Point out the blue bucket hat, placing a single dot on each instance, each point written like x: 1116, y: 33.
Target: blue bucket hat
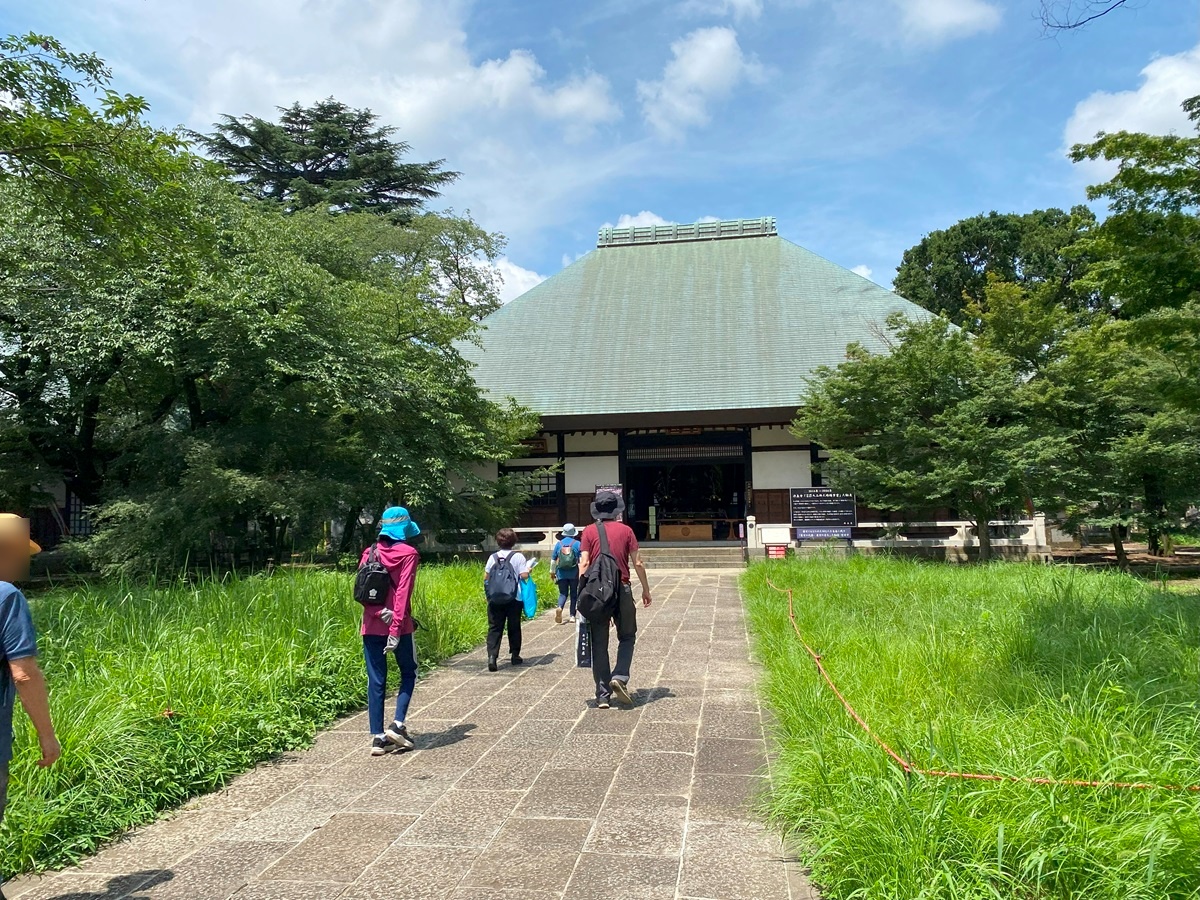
x: 397, y: 524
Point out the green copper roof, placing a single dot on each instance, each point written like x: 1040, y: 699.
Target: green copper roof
x: 732, y: 323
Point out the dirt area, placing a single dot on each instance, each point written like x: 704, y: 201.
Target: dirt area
x: 1184, y: 563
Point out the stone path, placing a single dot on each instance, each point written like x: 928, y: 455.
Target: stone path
x: 519, y: 788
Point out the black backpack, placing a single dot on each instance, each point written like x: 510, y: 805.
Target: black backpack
x: 373, y: 583
x: 600, y: 587
x: 502, y: 582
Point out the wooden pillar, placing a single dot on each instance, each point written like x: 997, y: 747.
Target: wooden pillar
x: 561, y: 477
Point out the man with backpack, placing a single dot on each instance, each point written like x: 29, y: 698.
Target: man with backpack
x: 609, y: 548
x: 564, y: 568
x: 502, y: 576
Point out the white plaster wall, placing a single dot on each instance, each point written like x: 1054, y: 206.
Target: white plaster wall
x: 584, y: 442
x: 781, y: 469
x: 529, y: 462
x: 774, y: 436
x: 489, y: 471
x: 584, y: 473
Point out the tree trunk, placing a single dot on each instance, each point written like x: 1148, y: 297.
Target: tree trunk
x: 1156, y: 512
x: 1119, y: 546
x: 350, y: 530
x: 985, y: 537
x: 1154, y: 540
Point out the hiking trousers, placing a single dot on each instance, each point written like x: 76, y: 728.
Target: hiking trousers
x: 501, y: 615
x: 569, y: 588
x: 374, y: 653
x: 626, y: 621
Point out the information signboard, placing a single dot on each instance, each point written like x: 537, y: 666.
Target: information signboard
x: 822, y: 513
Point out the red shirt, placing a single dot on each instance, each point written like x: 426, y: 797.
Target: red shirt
x: 401, y: 561
x: 621, y: 544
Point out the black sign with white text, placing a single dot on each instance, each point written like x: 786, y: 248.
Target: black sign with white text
x: 821, y: 513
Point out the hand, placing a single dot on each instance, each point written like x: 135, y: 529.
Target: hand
x: 645, y: 598
x: 51, y: 751
x: 392, y: 643
x: 386, y: 615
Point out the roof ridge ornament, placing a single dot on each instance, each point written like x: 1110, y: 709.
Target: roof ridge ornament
x: 697, y: 231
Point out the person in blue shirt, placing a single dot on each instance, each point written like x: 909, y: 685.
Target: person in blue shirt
x: 19, y: 672
x: 564, y: 569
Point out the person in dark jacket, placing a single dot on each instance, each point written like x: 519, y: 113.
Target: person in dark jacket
x: 388, y: 629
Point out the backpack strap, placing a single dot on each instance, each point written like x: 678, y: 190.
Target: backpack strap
x: 603, y: 538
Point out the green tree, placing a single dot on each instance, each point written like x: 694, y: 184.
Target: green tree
x: 948, y: 271
x: 939, y: 420
x: 296, y: 368
x: 1146, y: 257
x: 326, y: 155
x: 103, y: 171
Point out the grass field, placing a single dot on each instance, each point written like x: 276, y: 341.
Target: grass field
x: 1012, y: 669
x: 161, y: 693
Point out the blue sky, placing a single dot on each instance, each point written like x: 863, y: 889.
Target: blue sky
x: 860, y: 124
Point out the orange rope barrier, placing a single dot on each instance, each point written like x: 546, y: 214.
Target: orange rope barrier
x: 911, y: 769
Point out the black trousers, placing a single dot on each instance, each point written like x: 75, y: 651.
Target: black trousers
x: 499, y: 615
x: 626, y: 621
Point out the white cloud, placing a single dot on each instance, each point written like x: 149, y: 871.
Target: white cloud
x: 864, y: 271
x: 515, y: 280
x: 645, y: 217
x: 530, y: 144
x: 941, y: 20
x: 919, y: 23
x: 1154, y: 107
x: 739, y: 9
x: 705, y: 67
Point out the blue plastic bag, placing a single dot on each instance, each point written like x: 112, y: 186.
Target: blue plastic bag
x: 528, y: 596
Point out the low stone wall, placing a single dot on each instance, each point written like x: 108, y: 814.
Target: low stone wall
x: 947, y: 541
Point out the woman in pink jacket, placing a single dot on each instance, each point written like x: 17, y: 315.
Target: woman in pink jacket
x: 389, y: 629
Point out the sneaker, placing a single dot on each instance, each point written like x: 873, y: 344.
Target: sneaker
x: 621, y: 692
x: 558, y: 616
x: 397, y: 733
x: 379, y: 746
x: 491, y: 664
x: 601, y: 703
x: 572, y: 619
x: 516, y: 660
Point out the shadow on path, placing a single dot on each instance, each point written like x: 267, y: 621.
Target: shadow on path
x: 130, y: 886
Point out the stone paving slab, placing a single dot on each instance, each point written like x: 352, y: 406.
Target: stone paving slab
x: 519, y: 788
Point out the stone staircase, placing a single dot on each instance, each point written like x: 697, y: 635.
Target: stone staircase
x: 675, y: 556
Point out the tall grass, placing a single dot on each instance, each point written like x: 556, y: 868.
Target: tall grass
x: 1011, y: 669
x: 160, y: 693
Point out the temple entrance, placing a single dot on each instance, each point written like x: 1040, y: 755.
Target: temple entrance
x: 686, y: 491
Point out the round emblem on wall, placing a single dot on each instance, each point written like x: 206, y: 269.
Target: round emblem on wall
x: 685, y: 531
